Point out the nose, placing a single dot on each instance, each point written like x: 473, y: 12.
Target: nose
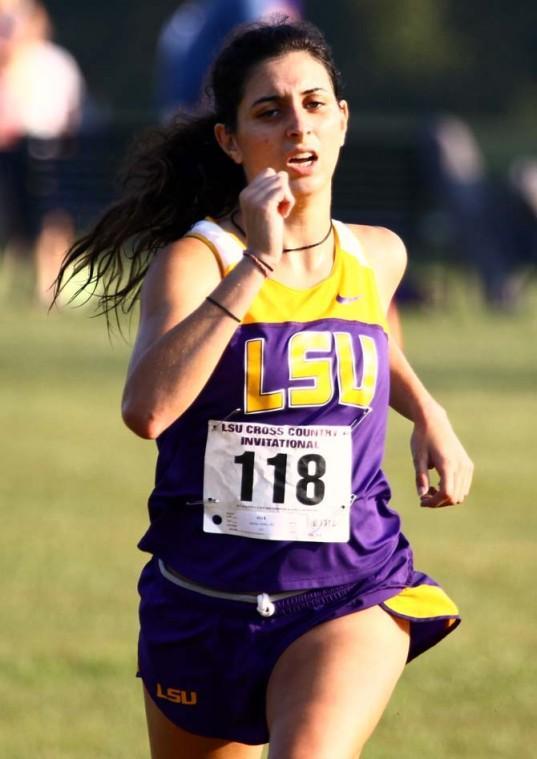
x: 297, y: 123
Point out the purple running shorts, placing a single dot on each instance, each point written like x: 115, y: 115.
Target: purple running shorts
x: 206, y: 661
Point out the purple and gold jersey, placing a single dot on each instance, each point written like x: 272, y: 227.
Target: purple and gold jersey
x: 315, y: 358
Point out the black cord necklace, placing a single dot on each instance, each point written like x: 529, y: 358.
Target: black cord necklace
x: 286, y: 250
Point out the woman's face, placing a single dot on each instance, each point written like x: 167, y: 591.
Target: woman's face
x: 289, y: 120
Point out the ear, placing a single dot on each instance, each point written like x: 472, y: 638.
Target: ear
x: 226, y: 139
x: 344, y: 114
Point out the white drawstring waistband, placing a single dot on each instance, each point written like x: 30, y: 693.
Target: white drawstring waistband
x: 264, y: 601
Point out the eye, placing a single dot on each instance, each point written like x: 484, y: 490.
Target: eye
x: 314, y: 105
x: 269, y: 113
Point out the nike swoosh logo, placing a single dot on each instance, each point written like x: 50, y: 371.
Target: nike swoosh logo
x: 350, y: 299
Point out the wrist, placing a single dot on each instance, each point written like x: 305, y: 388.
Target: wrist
x: 268, y: 260
x: 260, y: 263
x: 426, y: 409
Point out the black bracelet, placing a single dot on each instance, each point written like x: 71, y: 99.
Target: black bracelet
x: 255, y: 261
x: 251, y: 254
x: 222, y: 308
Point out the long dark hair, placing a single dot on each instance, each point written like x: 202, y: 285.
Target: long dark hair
x: 178, y: 174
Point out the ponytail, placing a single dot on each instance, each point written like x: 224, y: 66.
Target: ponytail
x: 173, y: 176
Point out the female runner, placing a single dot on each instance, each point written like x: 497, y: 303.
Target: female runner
x: 281, y: 602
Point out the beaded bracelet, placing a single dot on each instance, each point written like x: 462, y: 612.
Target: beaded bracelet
x: 254, y: 257
x: 222, y: 308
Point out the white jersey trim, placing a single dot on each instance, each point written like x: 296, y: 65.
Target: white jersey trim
x: 227, y: 247
x: 230, y: 250
x: 349, y: 243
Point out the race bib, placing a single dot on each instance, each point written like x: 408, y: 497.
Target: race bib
x: 278, y: 482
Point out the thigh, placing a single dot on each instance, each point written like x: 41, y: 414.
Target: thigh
x: 329, y: 688
x: 167, y: 741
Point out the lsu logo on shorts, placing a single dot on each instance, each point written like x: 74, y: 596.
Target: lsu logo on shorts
x: 177, y: 696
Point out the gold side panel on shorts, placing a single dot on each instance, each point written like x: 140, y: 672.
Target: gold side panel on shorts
x: 422, y: 602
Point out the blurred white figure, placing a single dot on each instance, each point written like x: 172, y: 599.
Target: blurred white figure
x: 460, y: 154
x: 524, y: 179
x: 41, y: 86
x: 41, y: 96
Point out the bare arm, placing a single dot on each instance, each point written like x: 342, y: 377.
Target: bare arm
x: 434, y: 444
x: 181, y: 335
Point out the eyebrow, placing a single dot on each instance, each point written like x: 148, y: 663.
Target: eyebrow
x: 269, y: 98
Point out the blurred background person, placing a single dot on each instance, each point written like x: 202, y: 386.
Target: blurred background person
x: 487, y: 224
x: 522, y: 209
x: 41, y: 97
x: 17, y: 26
x: 189, y: 40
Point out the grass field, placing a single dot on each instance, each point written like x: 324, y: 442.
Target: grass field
x: 73, y: 490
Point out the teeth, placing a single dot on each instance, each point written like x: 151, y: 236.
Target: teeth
x: 303, y: 157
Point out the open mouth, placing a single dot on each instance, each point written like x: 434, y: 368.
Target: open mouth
x: 306, y: 158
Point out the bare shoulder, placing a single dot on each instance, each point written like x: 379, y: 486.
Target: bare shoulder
x: 382, y: 247
x: 179, y: 278
x: 386, y: 254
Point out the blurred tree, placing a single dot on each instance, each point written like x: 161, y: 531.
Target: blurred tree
x: 412, y: 37
x: 469, y: 57
x: 412, y: 55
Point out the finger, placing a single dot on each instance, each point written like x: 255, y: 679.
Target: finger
x: 275, y: 194
x: 255, y: 193
x: 422, y: 475
x: 450, y: 491
x: 469, y: 477
x: 461, y: 489
x: 447, y: 484
x: 433, y: 499
x: 260, y: 185
x: 269, y: 176
x: 422, y: 483
x: 467, y: 482
x: 278, y: 193
x: 463, y: 481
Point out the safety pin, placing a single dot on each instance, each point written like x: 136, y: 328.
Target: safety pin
x: 232, y: 413
x: 360, y: 419
x: 200, y: 503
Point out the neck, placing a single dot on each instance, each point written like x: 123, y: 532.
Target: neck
x: 308, y: 222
